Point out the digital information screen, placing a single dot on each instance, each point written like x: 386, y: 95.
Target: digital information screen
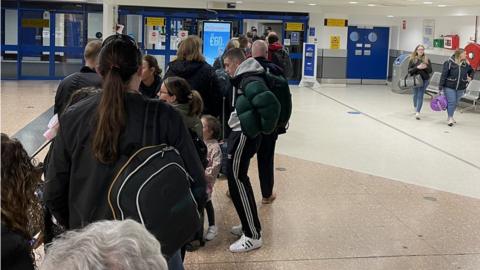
x: 215, y: 38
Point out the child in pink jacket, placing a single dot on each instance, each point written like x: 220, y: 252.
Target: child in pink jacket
x: 211, y: 132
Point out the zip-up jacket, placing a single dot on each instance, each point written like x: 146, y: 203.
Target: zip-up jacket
x: 454, y: 76
x: 76, y: 189
x: 424, y: 73
x: 256, y: 108
x: 85, y: 78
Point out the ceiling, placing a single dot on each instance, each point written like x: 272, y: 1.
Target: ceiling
x: 384, y: 3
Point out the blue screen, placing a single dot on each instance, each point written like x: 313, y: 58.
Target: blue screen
x: 215, y: 38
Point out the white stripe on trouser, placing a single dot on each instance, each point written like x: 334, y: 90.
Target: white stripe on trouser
x: 241, y: 188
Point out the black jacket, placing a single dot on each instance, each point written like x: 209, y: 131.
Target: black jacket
x: 270, y: 66
x: 77, y: 184
x: 86, y: 77
x: 201, y: 77
x: 152, y: 90
x: 15, y: 251
x: 454, y: 76
x: 424, y: 73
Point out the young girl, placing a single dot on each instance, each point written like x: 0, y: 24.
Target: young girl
x: 211, y: 132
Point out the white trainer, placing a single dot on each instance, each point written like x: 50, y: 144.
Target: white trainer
x: 245, y: 244
x: 237, y: 230
x: 211, y: 233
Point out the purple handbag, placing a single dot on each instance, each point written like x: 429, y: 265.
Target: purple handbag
x: 439, y: 103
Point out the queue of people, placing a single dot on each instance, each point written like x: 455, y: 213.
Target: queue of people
x: 103, y: 122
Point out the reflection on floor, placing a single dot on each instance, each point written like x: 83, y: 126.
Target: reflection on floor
x: 338, y: 206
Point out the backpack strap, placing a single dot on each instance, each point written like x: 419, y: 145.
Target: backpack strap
x: 150, y: 136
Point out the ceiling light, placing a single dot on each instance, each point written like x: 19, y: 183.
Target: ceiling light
x: 442, y: 5
x: 291, y: 2
x: 428, y: 3
x: 239, y: 2
x: 390, y: 16
x: 371, y: 5
x: 312, y: 4
x: 353, y: 2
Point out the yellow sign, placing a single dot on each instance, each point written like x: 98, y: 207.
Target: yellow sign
x: 35, y: 23
x: 334, y: 42
x: 336, y: 22
x: 293, y: 26
x: 155, y: 21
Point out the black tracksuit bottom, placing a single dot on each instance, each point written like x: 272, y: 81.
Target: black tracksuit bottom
x: 240, y: 150
x: 265, y: 158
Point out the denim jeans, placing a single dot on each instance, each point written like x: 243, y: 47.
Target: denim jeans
x: 418, y: 94
x: 175, y: 262
x: 453, y: 97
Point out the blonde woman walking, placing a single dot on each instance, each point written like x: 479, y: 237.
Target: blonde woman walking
x: 419, y: 65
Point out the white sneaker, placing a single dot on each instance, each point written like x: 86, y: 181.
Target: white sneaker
x: 417, y: 116
x: 237, y: 230
x: 211, y: 233
x: 245, y: 244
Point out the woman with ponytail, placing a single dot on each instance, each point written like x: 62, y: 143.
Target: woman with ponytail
x: 96, y: 132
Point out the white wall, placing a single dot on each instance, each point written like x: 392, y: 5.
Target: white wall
x: 412, y: 35
x: 400, y: 39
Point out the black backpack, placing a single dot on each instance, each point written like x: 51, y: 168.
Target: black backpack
x: 282, y: 59
x: 153, y: 188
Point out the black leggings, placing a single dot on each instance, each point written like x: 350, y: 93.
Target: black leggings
x: 210, y: 213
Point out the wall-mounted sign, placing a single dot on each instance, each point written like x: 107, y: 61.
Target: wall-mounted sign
x: 155, y: 21
x: 428, y: 33
x: 294, y: 26
x: 216, y: 35
x: 295, y: 38
x: 336, y: 22
x: 334, y: 42
x: 35, y: 23
x: 312, y: 32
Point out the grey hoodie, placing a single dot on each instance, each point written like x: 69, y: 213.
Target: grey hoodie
x: 250, y: 66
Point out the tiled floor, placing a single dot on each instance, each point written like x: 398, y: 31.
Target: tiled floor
x: 337, y: 206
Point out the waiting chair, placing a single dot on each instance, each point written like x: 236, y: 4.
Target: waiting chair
x: 432, y: 88
x: 472, y: 94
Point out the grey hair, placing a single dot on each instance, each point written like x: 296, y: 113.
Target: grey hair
x: 106, y: 245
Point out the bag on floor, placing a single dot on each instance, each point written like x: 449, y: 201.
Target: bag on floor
x: 153, y: 188
x: 439, y: 103
x: 410, y: 81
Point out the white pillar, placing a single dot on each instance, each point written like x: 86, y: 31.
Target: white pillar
x: 110, y: 15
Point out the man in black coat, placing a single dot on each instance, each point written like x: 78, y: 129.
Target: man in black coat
x: 266, y: 152
x: 85, y: 78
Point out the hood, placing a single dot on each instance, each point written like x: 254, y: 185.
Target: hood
x: 275, y: 47
x: 452, y: 60
x: 249, y: 66
x: 184, y: 68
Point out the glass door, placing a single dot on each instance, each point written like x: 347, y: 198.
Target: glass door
x: 35, y: 36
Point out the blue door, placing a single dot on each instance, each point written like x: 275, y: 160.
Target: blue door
x: 367, y: 53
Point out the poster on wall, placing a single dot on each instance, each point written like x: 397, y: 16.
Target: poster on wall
x: 428, y: 33
x: 216, y: 35
x: 334, y: 42
x: 153, y: 37
x: 295, y: 38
